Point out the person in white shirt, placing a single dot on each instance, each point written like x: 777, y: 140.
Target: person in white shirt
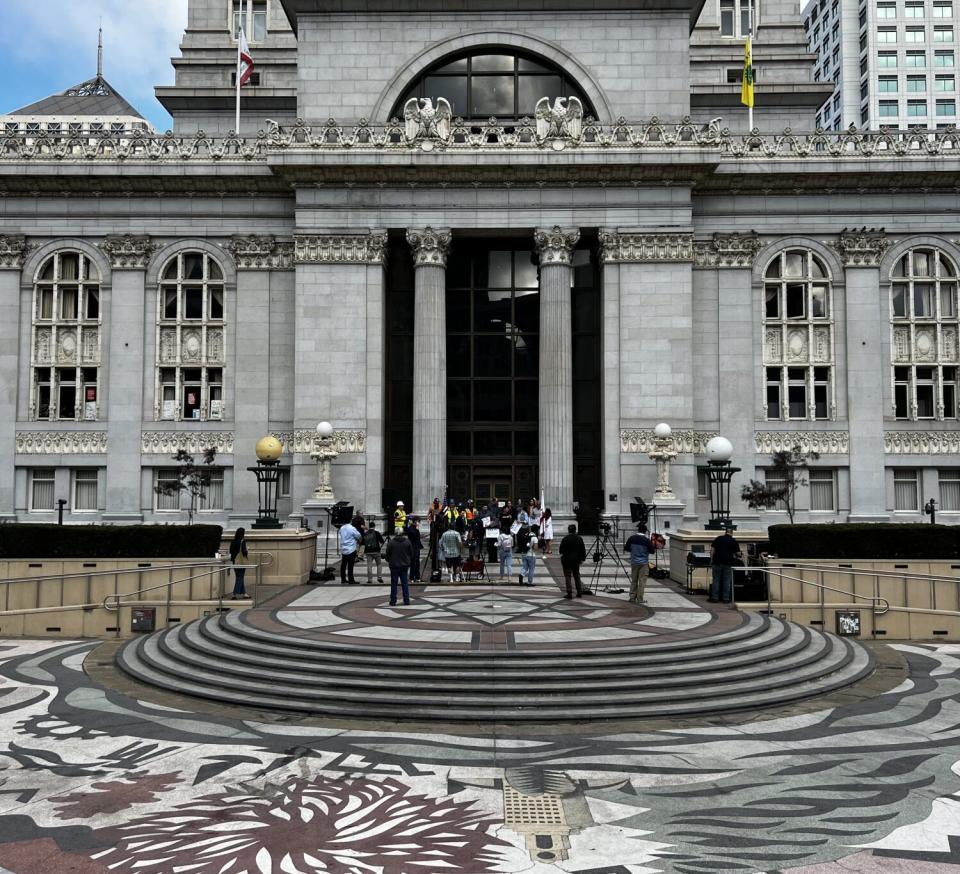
x: 528, y: 557
x: 505, y: 553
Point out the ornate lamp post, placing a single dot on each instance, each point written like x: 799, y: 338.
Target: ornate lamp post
x: 324, y: 454
x: 663, y: 453
x: 720, y: 472
x: 267, y: 472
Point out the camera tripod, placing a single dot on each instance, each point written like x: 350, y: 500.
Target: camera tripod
x: 605, y: 546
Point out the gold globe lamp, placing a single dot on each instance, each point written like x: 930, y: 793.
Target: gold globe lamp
x: 268, y: 449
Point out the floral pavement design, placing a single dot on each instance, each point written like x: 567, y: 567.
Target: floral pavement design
x: 93, y: 782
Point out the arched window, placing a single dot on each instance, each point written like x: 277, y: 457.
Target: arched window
x: 493, y: 83
x: 190, y: 338
x: 65, y: 347
x: 798, y: 337
x: 924, y: 349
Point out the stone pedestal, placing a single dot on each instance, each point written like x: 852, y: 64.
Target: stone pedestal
x: 555, y: 247
x: 430, y: 248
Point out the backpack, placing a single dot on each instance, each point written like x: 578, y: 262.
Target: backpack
x: 370, y: 541
x: 523, y: 538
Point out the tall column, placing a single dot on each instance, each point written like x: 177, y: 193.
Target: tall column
x: 430, y: 249
x: 867, y: 323
x: 555, y: 247
x: 128, y: 259
x: 13, y: 248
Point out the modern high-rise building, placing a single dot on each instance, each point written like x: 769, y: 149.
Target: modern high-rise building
x: 893, y: 62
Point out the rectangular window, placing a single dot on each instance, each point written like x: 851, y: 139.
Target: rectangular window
x: 215, y: 393
x: 885, y: 35
x: 821, y: 392
x: 949, y: 392
x: 901, y: 392
x: 905, y: 491
x: 923, y: 300
x: 167, y: 503
x: 945, y: 83
x: 42, y: 380
x: 885, y: 85
x: 917, y: 84
x: 942, y: 10
x: 943, y: 34
x: 925, y: 393
x: 797, y: 392
x: 774, y: 411
x: 41, y: 489
x: 950, y: 491
x: 45, y: 303
x: 916, y: 34
x: 214, y: 492
x: 888, y: 108
x: 775, y: 480
x: 823, y: 489
x: 913, y: 10
x: 772, y: 302
x: 727, y: 17
x: 192, y: 386
x: 916, y: 59
x: 943, y: 59
x: 255, y: 25
x: 946, y: 108
x: 66, y: 394
x: 886, y: 60
x: 796, y: 301
x: 283, y: 483
x: 85, y: 490
x: 916, y: 108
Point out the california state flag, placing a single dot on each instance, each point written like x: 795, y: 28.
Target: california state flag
x: 246, y: 60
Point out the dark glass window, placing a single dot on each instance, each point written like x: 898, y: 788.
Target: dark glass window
x: 494, y: 83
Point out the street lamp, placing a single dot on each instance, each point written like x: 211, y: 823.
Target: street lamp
x: 663, y: 453
x: 267, y: 472
x: 324, y: 453
x: 720, y: 472
x: 930, y: 508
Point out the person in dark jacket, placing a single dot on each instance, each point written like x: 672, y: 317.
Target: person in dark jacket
x: 573, y: 553
x: 416, y: 545
x: 238, y: 550
x: 399, y: 556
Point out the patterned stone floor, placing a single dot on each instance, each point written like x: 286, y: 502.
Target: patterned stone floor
x: 96, y: 780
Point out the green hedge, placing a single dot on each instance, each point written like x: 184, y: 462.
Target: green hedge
x: 875, y: 540
x: 109, y: 541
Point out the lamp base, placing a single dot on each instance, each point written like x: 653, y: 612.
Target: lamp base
x: 268, y: 524
x: 719, y: 525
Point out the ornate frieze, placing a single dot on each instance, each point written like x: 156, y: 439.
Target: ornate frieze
x: 340, y: 248
x: 862, y: 248
x: 617, y: 248
x: 261, y: 252
x: 430, y: 247
x: 556, y: 245
x: 61, y: 442
x: 307, y: 441
x: 643, y: 441
x: 170, y: 442
x: 128, y: 251
x: 727, y: 250
x: 921, y: 442
x: 821, y: 442
x: 13, y: 249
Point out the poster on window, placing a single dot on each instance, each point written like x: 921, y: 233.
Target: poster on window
x: 191, y: 399
x: 91, y: 391
x: 90, y: 411
x: 169, y: 409
x: 216, y: 409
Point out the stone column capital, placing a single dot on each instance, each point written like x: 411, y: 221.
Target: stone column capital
x: 556, y: 245
x: 128, y: 251
x: 727, y: 250
x: 430, y: 246
x: 13, y: 251
x: 862, y: 248
x: 261, y: 252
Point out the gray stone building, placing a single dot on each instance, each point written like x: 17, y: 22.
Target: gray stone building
x: 482, y: 293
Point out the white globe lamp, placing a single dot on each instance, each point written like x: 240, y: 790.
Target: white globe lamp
x: 325, y: 429
x: 663, y: 431
x: 719, y: 450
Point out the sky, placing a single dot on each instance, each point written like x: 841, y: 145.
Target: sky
x: 49, y: 45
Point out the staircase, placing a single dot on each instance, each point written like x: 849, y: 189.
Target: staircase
x: 761, y: 663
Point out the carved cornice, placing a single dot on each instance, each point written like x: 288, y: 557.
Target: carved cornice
x: 13, y: 250
x: 685, y: 441
x: 128, y: 251
x: 921, y: 442
x: 821, y: 442
x: 617, y: 248
x: 306, y: 441
x: 555, y: 246
x: 727, y: 250
x: 861, y: 248
x: 61, y: 442
x: 170, y: 442
x: 340, y: 248
x: 430, y: 247
x: 261, y: 252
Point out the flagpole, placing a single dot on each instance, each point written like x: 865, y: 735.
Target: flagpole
x: 750, y: 37
x: 239, y: 44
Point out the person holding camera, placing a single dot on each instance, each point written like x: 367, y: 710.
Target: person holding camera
x: 639, y: 547
x: 573, y: 553
x: 372, y: 544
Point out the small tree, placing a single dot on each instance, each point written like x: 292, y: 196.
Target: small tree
x: 192, y: 478
x: 787, y: 467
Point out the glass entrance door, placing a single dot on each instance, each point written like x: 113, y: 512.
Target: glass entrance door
x: 487, y: 487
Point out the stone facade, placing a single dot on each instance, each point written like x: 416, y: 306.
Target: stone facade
x: 239, y: 286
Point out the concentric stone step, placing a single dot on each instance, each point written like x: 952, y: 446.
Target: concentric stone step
x: 761, y: 662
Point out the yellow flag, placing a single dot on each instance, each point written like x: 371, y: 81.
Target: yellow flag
x: 746, y: 90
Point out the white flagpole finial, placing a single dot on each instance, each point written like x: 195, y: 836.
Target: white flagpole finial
x: 100, y: 54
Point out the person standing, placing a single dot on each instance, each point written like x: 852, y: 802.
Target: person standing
x: 399, y: 518
x: 372, y: 544
x: 238, y: 549
x: 416, y: 545
x: 349, y: 538
x: 546, y: 531
x: 451, y: 544
x: 493, y: 514
x: 399, y: 556
x: 573, y: 553
x: 505, y: 553
x: 639, y: 547
x: 528, y: 558
x: 724, y: 552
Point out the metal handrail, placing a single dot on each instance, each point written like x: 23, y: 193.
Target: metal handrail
x: 823, y: 587
x: 134, y: 570
x: 219, y: 569
x: 843, y: 569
